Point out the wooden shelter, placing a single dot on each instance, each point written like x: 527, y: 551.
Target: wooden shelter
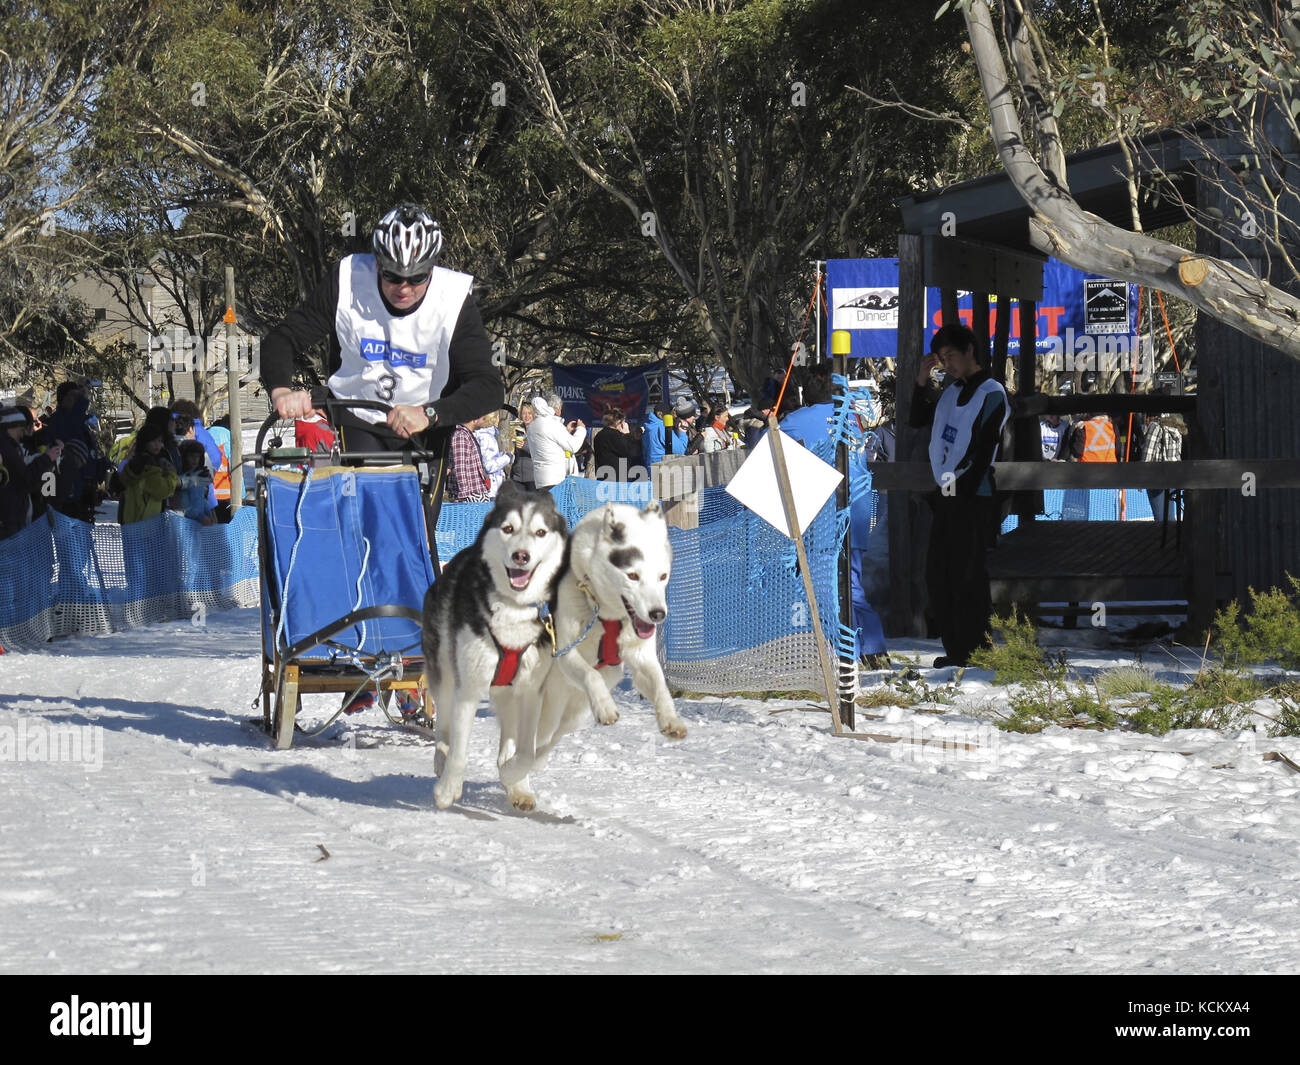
x: 1240, y: 474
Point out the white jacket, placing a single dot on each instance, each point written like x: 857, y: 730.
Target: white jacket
x: 495, y: 460
x: 714, y: 439
x: 548, y: 442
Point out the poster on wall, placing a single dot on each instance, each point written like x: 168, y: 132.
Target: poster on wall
x: 1105, y: 306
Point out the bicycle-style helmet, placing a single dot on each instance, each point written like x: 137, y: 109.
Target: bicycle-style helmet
x: 407, y: 241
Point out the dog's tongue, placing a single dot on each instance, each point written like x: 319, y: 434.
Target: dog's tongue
x: 519, y: 577
x: 644, y: 629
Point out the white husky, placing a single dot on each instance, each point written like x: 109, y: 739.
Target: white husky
x: 610, y: 598
x: 484, y: 635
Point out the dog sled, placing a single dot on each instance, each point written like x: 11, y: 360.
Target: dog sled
x: 347, y: 554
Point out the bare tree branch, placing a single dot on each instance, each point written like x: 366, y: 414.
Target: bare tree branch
x: 912, y: 110
x: 1088, y: 242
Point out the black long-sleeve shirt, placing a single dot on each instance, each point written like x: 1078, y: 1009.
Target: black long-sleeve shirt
x: 474, y: 386
x: 20, y: 484
x: 609, y: 446
x: 974, y: 474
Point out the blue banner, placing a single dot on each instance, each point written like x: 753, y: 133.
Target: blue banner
x: 1080, y: 317
x: 1069, y: 329
x: 862, y: 297
x: 588, y: 391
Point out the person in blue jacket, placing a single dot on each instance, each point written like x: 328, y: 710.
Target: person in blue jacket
x: 810, y: 425
x: 189, y: 409
x: 660, y: 439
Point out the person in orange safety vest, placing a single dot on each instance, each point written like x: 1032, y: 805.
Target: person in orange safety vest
x: 1093, y: 440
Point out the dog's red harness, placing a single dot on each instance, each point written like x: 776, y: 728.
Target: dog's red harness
x: 609, y: 655
x: 507, y: 665
x: 508, y: 657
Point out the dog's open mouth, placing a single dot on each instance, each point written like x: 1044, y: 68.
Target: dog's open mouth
x: 643, y: 629
x: 519, y: 578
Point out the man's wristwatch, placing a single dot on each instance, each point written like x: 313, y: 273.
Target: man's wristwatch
x: 432, y: 415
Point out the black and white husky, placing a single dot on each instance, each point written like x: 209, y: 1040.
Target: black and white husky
x: 609, y: 601
x: 484, y: 635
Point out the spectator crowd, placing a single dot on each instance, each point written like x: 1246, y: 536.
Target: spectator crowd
x: 64, y: 459
x: 61, y: 458
x: 546, y: 448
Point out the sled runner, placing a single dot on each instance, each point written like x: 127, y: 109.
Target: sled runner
x: 346, y: 560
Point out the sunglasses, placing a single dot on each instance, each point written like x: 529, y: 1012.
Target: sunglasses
x: 398, y: 279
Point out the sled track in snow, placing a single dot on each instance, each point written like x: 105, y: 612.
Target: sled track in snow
x: 757, y: 844
x: 1069, y: 864
x: 822, y: 934
x: 985, y: 867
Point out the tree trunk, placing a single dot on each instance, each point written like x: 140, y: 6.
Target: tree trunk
x: 1060, y: 227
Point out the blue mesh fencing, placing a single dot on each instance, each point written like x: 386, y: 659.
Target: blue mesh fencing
x: 65, y: 577
x: 29, y: 573
x: 738, y: 617
x: 578, y: 496
x: 716, y: 504
x: 1089, y: 504
x: 736, y: 586
x: 459, y: 523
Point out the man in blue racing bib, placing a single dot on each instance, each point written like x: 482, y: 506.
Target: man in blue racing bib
x: 967, y: 416
x: 401, y: 330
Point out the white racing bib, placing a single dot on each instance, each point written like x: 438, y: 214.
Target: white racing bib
x: 954, y: 424
x: 1050, y: 435
x: 394, y: 359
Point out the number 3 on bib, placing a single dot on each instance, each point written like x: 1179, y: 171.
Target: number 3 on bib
x: 386, y: 386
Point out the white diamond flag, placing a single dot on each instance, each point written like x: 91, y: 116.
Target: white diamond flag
x: 811, y: 482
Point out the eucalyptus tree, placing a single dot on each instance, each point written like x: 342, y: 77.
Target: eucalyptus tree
x: 54, y: 59
x: 725, y: 133
x: 1227, y: 70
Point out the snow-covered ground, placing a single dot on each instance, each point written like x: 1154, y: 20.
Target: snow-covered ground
x: 174, y: 840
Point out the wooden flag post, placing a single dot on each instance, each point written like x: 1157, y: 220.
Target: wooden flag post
x: 792, y: 520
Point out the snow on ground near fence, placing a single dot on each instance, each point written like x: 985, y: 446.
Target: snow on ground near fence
x: 759, y: 843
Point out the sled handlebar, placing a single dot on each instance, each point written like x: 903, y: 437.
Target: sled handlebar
x: 320, y: 397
